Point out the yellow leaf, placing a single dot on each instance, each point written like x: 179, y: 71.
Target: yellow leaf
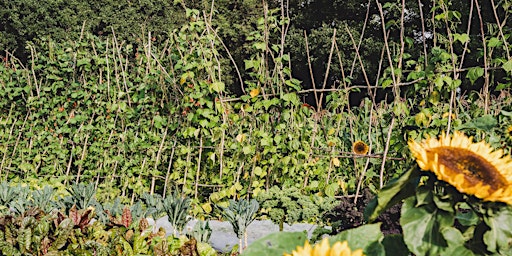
x: 254, y: 92
x: 207, y: 207
x: 343, y: 186
x: 331, y: 131
x: 256, y: 191
x: 336, y: 162
x: 240, y: 137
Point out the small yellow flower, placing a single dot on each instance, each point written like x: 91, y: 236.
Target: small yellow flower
x: 472, y: 168
x: 447, y: 114
x: 324, y: 249
x: 254, y: 92
x: 360, y: 148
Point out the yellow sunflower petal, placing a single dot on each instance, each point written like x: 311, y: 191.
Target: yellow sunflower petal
x: 324, y: 249
x: 472, y: 168
x: 508, y: 132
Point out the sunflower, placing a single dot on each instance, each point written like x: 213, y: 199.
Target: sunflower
x: 324, y: 249
x: 472, y: 168
x: 360, y: 148
x: 508, y: 132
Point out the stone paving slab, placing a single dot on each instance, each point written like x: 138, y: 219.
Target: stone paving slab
x: 223, y: 237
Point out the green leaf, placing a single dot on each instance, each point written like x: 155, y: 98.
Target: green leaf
x: 502, y: 86
x: 331, y: 189
x: 291, y: 97
x: 386, y: 83
x: 83, y: 61
x: 507, y: 66
x: 455, y: 242
x: 422, y: 227
x: 53, y: 77
x: 276, y: 244
x: 499, y: 237
x: 260, y: 46
x: 395, y: 245
x: 363, y: 237
x: 494, y: 42
x: 258, y: 171
x: 293, y: 83
x: 392, y: 193
x: 463, y: 38
x: 217, y: 87
x: 484, y: 123
x: 467, y: 218
x: 506, y: 113
x: 474, y: 73
x: 438, y: 81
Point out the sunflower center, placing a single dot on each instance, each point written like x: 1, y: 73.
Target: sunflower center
x: 360, y: 148
x: 475, y: 168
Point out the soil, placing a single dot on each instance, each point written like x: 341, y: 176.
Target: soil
x: 349, y: 215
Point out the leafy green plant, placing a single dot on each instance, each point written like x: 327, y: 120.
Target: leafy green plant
x: 276, y: 243
x: 240, y: 214
x: 201, y: 231
x: 44, y: 199
x: 367, y: 237
x: 154, y: 205
x: 176, y: 207
x: 82, y: 195
x: 35, y: 232
x: 290, y: 205
x: 7, y: 194
x: 22, y: 201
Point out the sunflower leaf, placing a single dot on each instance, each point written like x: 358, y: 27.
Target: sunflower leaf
x: 455, y: 241
x: 394, y: 245
x: 394, y: 192
x: 422, y: 227
x: 484, y: 123
x: 366, y: 237
x: 276, y: 244
x: 499, y: 238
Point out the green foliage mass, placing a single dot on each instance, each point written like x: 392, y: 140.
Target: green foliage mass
x: 369, y: 238
x: 134, y: 120
x: 289, y: 205
x: 29, y: 20
x: 437, y: 219
x: 63, y: 228
x: 136, y: 116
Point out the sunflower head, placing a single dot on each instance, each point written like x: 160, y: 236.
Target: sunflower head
x: 360, y: 148
x: 508, y: 132
x: 324, y: 249
x: 472, y: 168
